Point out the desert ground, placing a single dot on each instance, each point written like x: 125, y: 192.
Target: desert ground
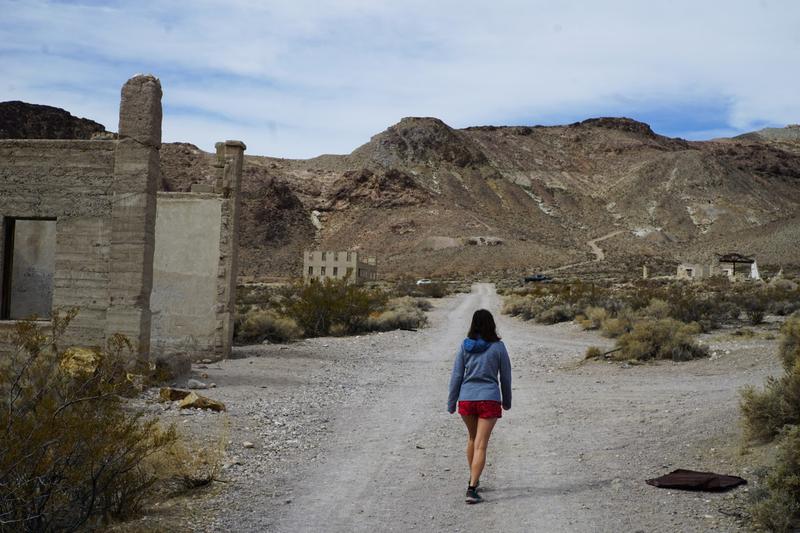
x: 352, y: 434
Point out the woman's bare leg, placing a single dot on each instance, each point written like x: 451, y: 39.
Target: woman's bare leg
x: 481, y: 442
x: 471, y: 421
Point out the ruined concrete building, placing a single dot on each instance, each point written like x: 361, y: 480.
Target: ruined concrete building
x: 83, y: 225
x: 339, y: 265
x: 727, y: 266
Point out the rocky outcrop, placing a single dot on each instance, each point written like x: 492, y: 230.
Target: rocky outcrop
x: 21, y: 120
x: 421, y: 141
x: 392, y: 188
x: 618, y: 123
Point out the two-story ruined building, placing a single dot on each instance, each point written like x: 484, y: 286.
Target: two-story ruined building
x: 349, y: 265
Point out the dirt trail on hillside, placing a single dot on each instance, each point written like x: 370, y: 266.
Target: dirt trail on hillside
x: 599, y: 254
x: 352, y: 434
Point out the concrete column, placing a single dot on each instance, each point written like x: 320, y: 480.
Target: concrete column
x: 230, y: 160
x: 136, y: 174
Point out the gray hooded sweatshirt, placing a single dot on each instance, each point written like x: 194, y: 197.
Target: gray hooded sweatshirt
x: 475, y: 374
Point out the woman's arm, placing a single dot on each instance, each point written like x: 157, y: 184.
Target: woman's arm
x: 505, y: 377
x: 455, y: 381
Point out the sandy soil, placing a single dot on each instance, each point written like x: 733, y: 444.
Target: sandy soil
x: 352, y: 434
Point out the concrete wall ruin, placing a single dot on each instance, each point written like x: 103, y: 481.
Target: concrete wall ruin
x: 196, y: 262
x: 185, y: 273
x: 101, y: 197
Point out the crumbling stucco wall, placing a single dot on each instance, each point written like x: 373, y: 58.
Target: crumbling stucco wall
x: 103, y: 197
x: 196, y: 263
x: 186, y: 262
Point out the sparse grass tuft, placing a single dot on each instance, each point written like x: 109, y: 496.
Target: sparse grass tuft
x: 593, y: 352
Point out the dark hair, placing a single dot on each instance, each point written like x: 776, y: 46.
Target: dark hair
x: 483, y: 326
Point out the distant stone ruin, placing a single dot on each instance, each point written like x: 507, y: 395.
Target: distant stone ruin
x: 734, y: 266
x: 82, y: 224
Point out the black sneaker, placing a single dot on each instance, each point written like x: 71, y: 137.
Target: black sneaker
x: 473, y: 496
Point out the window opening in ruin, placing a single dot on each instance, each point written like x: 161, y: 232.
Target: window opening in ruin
x: 29, y: 246
x: 335, y: 271
x: 323, y: 256
x: 348, y: 256
x: 349, y: 271
x: 311, y: 271
x: 322, y: 271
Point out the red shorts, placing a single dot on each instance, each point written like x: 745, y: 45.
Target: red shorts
x: 481, y: 408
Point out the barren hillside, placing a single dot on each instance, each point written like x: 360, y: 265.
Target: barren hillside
x: 424, y: 196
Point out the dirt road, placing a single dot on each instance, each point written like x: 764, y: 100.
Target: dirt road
x: 372, y: 448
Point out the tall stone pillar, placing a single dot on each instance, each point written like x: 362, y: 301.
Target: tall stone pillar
x: 230, y: 159
x: 136, y: 174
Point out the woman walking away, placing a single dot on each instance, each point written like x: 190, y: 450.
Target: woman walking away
x: 475, y: 386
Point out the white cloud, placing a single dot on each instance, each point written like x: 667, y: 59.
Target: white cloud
x: 299, y: 78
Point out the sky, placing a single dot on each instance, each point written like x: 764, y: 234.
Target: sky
x: 299, y: 78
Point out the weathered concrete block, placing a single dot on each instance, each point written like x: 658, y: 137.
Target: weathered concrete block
x: 140, y: 110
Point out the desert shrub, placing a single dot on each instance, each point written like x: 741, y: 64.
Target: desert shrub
x: 615, y: 327
x: 660, y: 339
x: 767, y: 411
x: 71, y: 453
x: 729, y: 310
x: 555, y: 314
x: 656, y: 308
x: 776, y: 504
x: 514, y: 305
x: 318, y: 305
x: 704, y: 310
x: 784, y: 307
x: 258, y: 325
x: 593, y: 352
x: 754, y: 305
x: 432, y: 290
x: 400, y: 313
x: 422, y: 304
x: 789, y: 350
x: 524, y: 307
x: 404, y: 287
x: 783, y: 285
x: 593, y: 317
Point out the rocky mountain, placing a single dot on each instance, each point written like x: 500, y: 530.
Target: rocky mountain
x: 431, y: 200
x: 20, y: 120
x: 436, y: 201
